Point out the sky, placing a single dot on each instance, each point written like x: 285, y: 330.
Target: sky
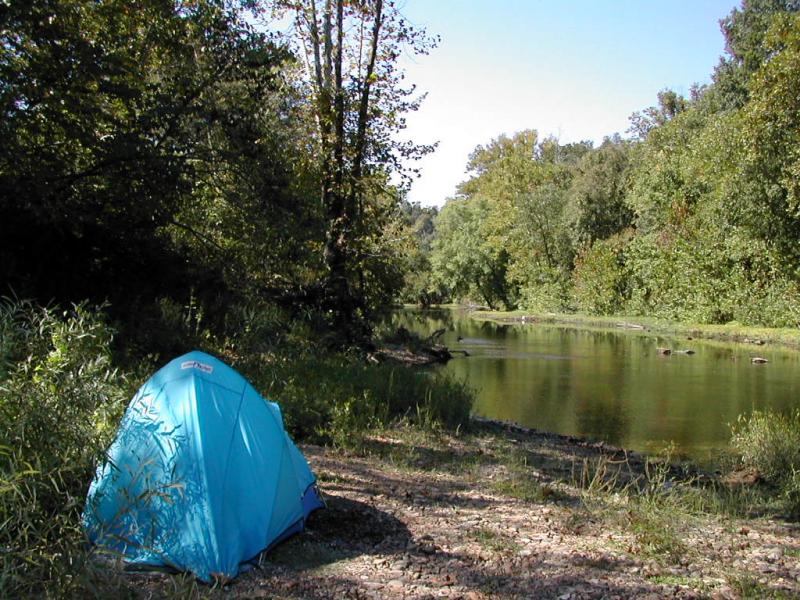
x: 575, y: 69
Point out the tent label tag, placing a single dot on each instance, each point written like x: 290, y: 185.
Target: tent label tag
x: 196, y: 364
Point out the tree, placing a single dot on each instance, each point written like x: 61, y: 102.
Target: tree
x: 145, y: 157
x: 670, y: 105
x: 524, y: 180
x: 745, y: 30
x: 597, y: 207
x: 92, y: 98
x: 463, y: 261
x: 355, y: 102
x: 765, y: 192
x: 419, y: 231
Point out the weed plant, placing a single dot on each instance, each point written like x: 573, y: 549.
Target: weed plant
x: 770, y: 442
x: 60, y: 400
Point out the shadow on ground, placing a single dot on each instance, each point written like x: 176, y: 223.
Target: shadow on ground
x: 345, y: 529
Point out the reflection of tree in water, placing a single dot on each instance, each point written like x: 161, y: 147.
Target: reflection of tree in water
x: 422, y: 321
x: 490, y: 328
x: 602, y: 412
x: 604, y: 419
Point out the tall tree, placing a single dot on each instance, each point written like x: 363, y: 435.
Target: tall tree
x: 745, y: 30
x: 144, y: 154
x: 463, y: 260
x: 597, y: 208
x: 670, y: 105
x: 765, y: 192
x: 356, y: 103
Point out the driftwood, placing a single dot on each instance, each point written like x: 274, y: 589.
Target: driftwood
x: 626, y: 325
x: 434, y: 337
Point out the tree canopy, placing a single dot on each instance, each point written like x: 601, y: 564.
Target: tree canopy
x: 695, y: 217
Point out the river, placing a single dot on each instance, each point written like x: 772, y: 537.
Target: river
x: 612, y: 385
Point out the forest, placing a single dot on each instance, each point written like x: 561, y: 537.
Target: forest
x: 227, y: 175
x: 692, y: 216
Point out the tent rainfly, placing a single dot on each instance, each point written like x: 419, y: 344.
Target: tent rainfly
x: 201, y: 477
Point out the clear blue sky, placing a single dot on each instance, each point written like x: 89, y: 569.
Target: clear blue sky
x: 576, y: 69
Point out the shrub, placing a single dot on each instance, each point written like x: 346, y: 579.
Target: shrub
x: 59, y: 404
x: 770, y: 442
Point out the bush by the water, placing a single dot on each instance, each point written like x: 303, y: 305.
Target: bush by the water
x: 334, y: 398
x: 770, y: 443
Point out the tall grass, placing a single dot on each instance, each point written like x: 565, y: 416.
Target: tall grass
x: 334, y: 398
x: 770, y: 442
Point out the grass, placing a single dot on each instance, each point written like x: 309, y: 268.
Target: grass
x: 748, y: 587
x: 407, y: 447
x: 657, y: 532
x: 769, y: 442
x: 520, y: 478
x: 336, y: 398
x: 524, y: 488
x: 494, y: 541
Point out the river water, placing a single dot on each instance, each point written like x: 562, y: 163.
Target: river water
x: 612, y: 385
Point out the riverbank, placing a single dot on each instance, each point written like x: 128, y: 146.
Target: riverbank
x: 728, y: 333
x: 506, y: 512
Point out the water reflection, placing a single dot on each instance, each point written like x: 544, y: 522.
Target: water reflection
x: 611, y: 385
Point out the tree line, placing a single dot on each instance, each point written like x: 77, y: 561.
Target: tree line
x: 192, y: 161
x: 693, y: 216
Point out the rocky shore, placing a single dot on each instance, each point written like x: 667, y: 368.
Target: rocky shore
x: 506, y: 512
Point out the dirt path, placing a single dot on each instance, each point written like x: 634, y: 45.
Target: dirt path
x: 430, y: 520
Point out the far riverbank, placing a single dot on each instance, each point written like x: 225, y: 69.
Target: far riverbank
x: 728, y: 333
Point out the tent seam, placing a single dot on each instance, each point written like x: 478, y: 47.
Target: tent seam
x: 230, y: 450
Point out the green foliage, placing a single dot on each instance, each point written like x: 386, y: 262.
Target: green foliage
x: 463, y: 261
x: 336, y: 398
x: 419, y: 285
x: 60, y: 401
x: 600, y: 278
x: 745, y: 30
x: 597, y: 207
x: 354, y: 103
x: 770, y: 442
x: 505, y: 240
x: 670, y: 104
x: 668, y: 175
x: 150, y: 158
x: 765, y: 194
x: 165, y: 157
x: 702, y: 274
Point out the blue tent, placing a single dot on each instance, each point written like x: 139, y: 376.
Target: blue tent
x: 202, y: 475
